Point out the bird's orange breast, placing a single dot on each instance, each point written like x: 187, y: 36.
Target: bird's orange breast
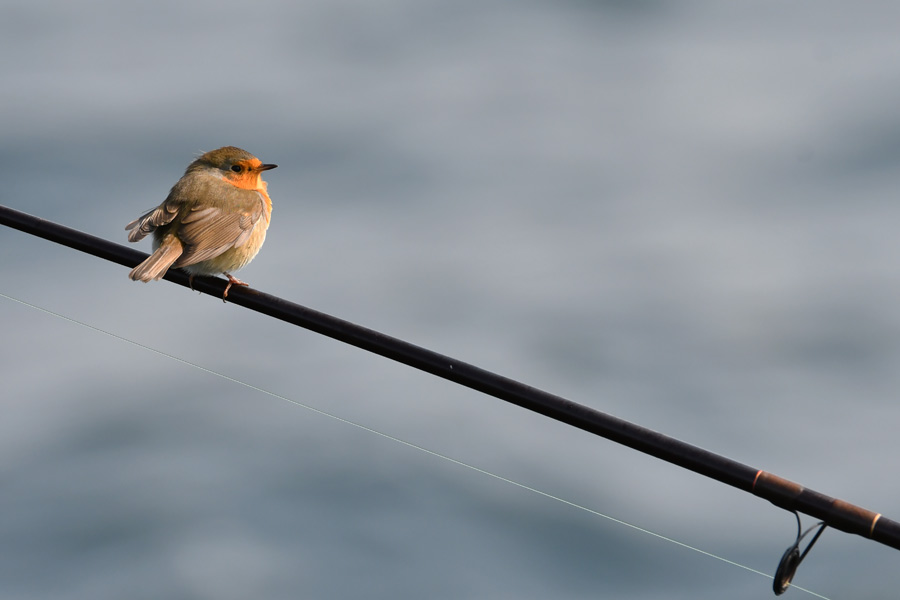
x: 253, y: 181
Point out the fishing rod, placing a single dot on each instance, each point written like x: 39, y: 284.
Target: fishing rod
x: 781, y: 492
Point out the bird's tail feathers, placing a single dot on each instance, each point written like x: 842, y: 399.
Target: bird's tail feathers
x: 159, y: 262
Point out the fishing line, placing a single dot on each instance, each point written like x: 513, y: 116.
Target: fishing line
x: 405, y: 443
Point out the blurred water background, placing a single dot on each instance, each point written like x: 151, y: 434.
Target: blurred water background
x: 682, y: 214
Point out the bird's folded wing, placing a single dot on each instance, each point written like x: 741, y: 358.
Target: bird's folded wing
x: 159, y: 216
x: 209, y: 231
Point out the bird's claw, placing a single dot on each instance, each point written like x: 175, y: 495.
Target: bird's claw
x: 232, y: 281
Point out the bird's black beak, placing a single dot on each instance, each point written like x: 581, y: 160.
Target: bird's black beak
x: 266, y: 167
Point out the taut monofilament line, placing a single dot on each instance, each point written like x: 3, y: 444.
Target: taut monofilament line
x: 785, y: 494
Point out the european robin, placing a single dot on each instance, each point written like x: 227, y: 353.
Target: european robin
x: 213, y: 221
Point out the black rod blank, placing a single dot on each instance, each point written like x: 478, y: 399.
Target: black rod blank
x: 781, y: 492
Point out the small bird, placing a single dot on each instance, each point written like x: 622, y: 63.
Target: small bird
x: 213, y: 221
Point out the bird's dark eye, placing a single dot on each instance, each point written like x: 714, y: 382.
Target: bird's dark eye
x: 236, y: 168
